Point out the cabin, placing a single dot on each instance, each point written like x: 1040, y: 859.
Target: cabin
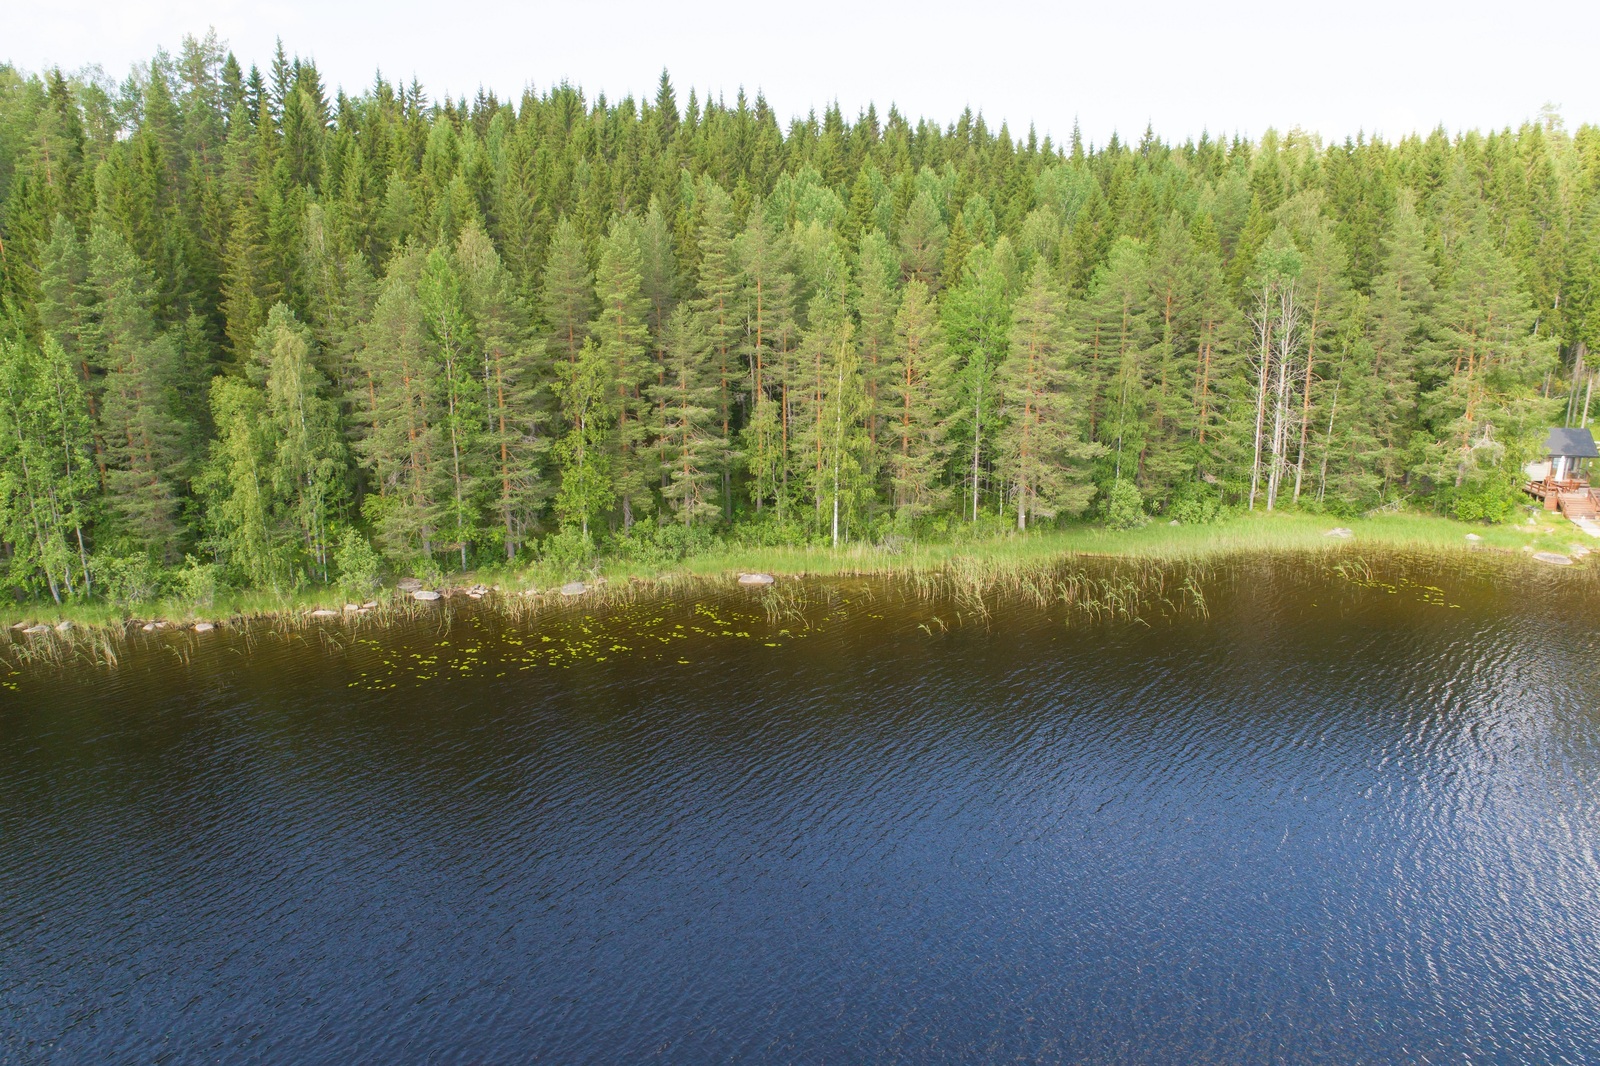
x: 1560, y: 482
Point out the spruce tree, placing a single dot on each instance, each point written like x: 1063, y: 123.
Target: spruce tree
x: 140, y: 421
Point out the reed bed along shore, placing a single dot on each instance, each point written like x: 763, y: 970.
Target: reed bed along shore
x: 1094, y: 574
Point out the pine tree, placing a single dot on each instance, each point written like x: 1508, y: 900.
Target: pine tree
x: 1042, y: 448
x: 622, y: 334
x: 768, y: 282
x: 1485, y: 414
x: 692, y: 452
x: 402, y: 448
x: 914, y: 432
x: 977, y: 322
x: 1114, y: 326
x: 451, y: 347
x: 516, y: 425
x: 877, y: 297
x: 718, y: 306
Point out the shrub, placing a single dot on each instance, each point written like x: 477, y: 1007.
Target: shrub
x: 426, y: 570
x: 196, y: 582
x: 568, y: 550
x: 125, y: 580
x: 1194, y: 506
x: 1489, y: 500
x: 358, y: 564
x: 1125, y: 507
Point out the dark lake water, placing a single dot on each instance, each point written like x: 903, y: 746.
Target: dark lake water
x: 1321, y: 820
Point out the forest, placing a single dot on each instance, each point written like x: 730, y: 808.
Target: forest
x: 257, y: 335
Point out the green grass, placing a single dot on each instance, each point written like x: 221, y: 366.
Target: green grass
x: 1246, y: 533
x: 1154, y: 542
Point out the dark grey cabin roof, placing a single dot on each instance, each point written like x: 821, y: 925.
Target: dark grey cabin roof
x: 1572, y: 443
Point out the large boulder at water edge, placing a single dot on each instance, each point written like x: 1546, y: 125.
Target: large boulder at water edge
x: 756, y: 579
x: 425, y: 595
x: 574, y: 588
x: 1553, y: 558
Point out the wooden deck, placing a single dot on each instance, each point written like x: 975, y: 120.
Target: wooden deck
x: 1572, y: 497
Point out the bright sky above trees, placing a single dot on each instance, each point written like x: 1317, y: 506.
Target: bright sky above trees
x: 1392, y: 66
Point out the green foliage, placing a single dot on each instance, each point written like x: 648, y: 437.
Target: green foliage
x: 1125, y: 506
x: 240, y: 317
x: 1195, y: 506
x: 662, y: 546
x: 196, y: 583
x: 126, y: 580
x: 359, y: 567
x: 567, y: 551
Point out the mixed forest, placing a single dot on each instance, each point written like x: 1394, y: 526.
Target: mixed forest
x: 257, y: 333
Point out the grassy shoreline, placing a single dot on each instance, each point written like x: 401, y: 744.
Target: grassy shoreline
x: 1155, y: 542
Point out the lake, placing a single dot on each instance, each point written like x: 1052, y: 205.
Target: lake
x: 1306, y: 809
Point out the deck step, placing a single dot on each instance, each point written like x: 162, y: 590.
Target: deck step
x: 1578, y: 505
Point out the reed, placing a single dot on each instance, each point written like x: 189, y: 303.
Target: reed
x: 1093, y: 574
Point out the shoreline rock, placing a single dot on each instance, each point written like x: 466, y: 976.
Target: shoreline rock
x: 756, y: 579
x: 425, y: 595
x: 574, y: 588
x: 1553, y: 558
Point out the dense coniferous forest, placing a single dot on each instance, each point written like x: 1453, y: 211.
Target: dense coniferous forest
x: 260, y: 333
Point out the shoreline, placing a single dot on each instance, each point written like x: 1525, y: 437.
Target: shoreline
x: 538, y: 586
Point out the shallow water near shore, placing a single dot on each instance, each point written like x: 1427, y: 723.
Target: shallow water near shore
x: 1278, y: 808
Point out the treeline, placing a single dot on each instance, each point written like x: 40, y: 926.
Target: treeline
x: 263, y: 329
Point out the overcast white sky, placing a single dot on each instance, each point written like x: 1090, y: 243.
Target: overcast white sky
x: 1228, y: 66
